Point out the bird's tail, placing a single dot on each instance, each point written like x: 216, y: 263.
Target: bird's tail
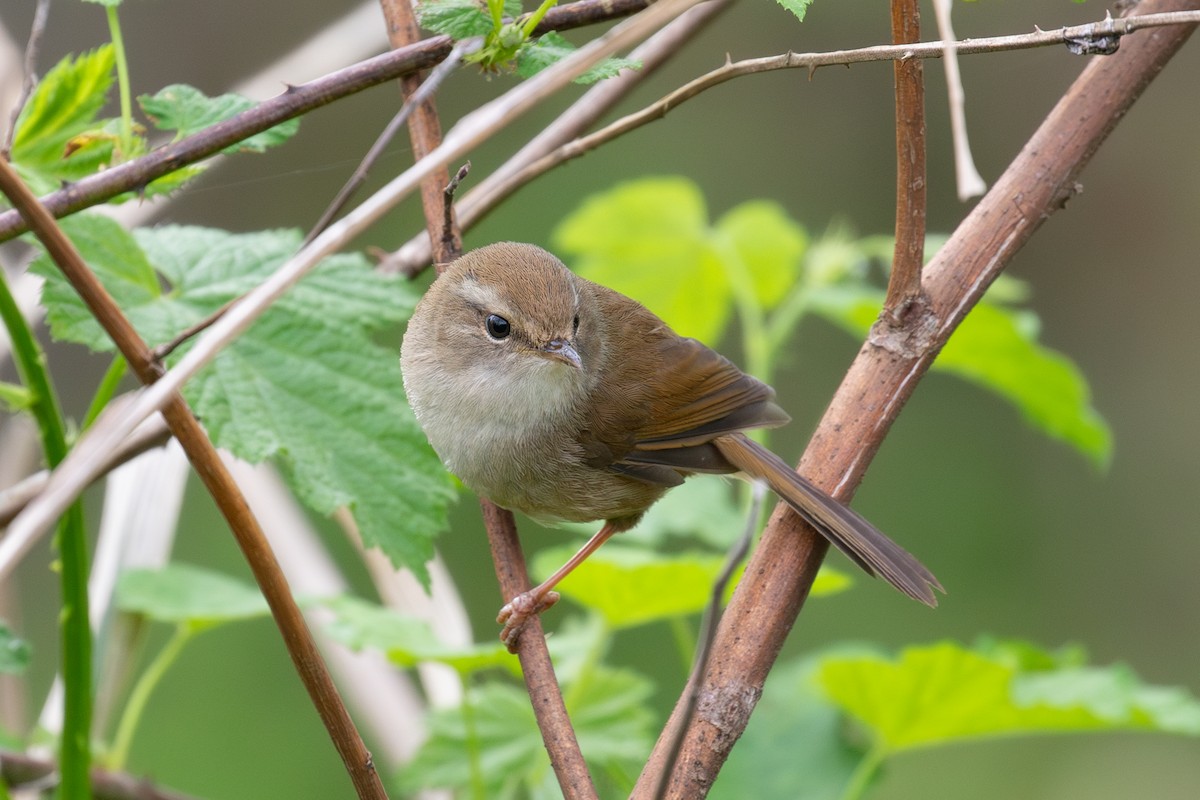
x: 865, y: 544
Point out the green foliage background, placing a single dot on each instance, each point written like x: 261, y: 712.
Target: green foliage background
x: 1031, y: 540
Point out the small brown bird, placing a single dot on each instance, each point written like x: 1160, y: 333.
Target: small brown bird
x: 557, y: 397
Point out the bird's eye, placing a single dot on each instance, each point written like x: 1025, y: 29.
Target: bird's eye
x: 497, y: 326
x: 575, y: 324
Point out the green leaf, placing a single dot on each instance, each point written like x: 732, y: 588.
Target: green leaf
x: 797, y: 7
x: 187, y: 110
x: 942, y: 693
x: 996, y: 348
x: 794, y: 725
x: 62, y: 108
x: 15, y: 652
x: 185, y: 595
x: 631, y: 586
x: 406, y: 640
x: 106, y: 3
x: 702, y: 509
x: 551, y: 48
x: 307, y: 385
x: 460, y: 19
x: 768, y: 246
x: 650, y: 239
x: 607, y: 710
x: 119, y: 263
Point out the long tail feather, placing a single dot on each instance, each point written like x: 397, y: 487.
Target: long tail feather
x: 865, y: 544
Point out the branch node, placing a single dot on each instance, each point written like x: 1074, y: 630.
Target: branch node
x: 908, y: 330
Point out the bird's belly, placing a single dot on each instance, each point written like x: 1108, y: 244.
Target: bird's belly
x: 527, y: 472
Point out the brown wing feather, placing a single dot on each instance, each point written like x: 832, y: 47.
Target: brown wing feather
x: 643, y: 427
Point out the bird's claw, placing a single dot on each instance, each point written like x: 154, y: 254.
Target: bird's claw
x: 518, y: 611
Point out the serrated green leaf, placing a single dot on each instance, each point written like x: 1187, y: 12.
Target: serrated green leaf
x: 942, y: 693
x: 186, y: 110
x: 406, y: 640
x: 792, y: 711
x: 62, y: 107
x: 306, y: 385
x: 797, y: 7
x: 460, y: 19
x: 15, y: 652
x: 650, y: 239
x: 186, y: 595
x: 119, y: 262
x: 607, y: 710
x: 550, y: 48
x: 767, y: 246
x: 996, y: 347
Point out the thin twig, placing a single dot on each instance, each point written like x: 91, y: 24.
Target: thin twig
x: 77, y: 470
x: 708, y: 631
x: 411, y: 259
x: 426, y: 90
x: 415, y: 254
x: 217, y: 480
x: 904, y: 283
x: 294, y: 102
x: 968, y: 181
x: 450, y: 230
x: 29, y: 81
x: 165, y: 349
x: 882, y: 378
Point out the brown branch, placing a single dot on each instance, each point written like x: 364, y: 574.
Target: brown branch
x: 445, y: 239
x: 882, y: 378
x: 18, y: 769
x: 548, y: 706
x: 424, y: 129
x: 217, y: 480
x: 904, y: 286
x: 297, y: 100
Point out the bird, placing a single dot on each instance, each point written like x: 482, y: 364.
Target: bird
x: 565, y: 400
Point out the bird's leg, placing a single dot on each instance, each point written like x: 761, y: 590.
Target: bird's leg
x: 517, y: 612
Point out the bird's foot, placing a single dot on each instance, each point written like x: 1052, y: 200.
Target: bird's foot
x: 518, y: 611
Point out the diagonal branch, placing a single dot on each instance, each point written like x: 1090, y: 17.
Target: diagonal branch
x: 881, y: 380
x: 217, y: 480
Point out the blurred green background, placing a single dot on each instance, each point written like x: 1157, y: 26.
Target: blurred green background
x: 1029, y: 539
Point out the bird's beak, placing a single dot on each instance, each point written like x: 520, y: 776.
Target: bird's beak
x: 564, y: 351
